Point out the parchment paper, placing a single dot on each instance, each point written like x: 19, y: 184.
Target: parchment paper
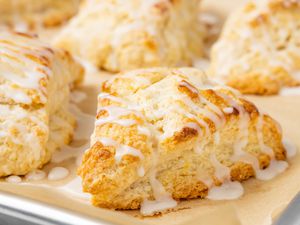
x: 262, y: 201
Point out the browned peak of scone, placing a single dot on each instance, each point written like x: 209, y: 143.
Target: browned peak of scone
x: 173, y: 133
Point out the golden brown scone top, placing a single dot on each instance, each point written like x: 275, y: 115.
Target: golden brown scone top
x: 175, y: 128
x: 258, y: 51
x: 118, y: 36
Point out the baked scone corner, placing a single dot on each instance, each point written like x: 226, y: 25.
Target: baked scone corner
x: 166, y: 134
x: 258, y: 50
x: 35, y: 83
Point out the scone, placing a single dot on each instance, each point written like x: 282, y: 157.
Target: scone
x: 32, y: 13
x: 258, y: 51
x: 118, y: 35
x: 35, y: 82
x: 164, y: 134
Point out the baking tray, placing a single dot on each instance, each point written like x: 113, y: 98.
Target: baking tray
x: 16, y: 210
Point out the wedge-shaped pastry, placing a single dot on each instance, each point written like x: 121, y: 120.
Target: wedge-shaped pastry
x: 35, y: 82
x: 31, y: 13
x: 118, y: 35
x: 165, y: 134
x: 258, y: 51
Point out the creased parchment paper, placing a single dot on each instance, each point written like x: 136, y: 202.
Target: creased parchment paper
x: 261, y: 203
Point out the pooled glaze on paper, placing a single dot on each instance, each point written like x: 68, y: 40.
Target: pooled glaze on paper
x: 58, y: 173
x: 35, y: 175
x: 227, y: 191
x: 13, y: 179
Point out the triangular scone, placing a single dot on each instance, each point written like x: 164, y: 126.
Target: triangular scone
x: 35, y: 82
x: 258, y: 51
x: 162, y: 133
x: 123, y: 35
x: 22, y: 14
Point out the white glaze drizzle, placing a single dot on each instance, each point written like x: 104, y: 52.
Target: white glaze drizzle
x: 275, y: 166
x: 199, y: 147
x: 242, y: 139
x: 190, y: 87
x: 227, y: 191
x: 212, y: 112
x: 114, y: 112
x: 205, y: 112
x: 259, y: 126
x: 58, y: 173
x: 13, y: 119
x: 144, y: 130
x: 221, y: 172
x: 35, y: 175
x: 163, y: 200
x: 205, y: 178
x: 216, y: 116
x: 170, y: 133
x: 232, y: 190
x: 19, y: 69
x: 217, y: 138
x: 16, y: 94
x: 121, y: 150
x: 141, y: 171
x: 127, y: 150
x: 228, y: 110
x: 13, y: 179
x: 105, y: 95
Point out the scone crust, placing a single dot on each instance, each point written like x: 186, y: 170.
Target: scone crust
x: 117, y: 184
